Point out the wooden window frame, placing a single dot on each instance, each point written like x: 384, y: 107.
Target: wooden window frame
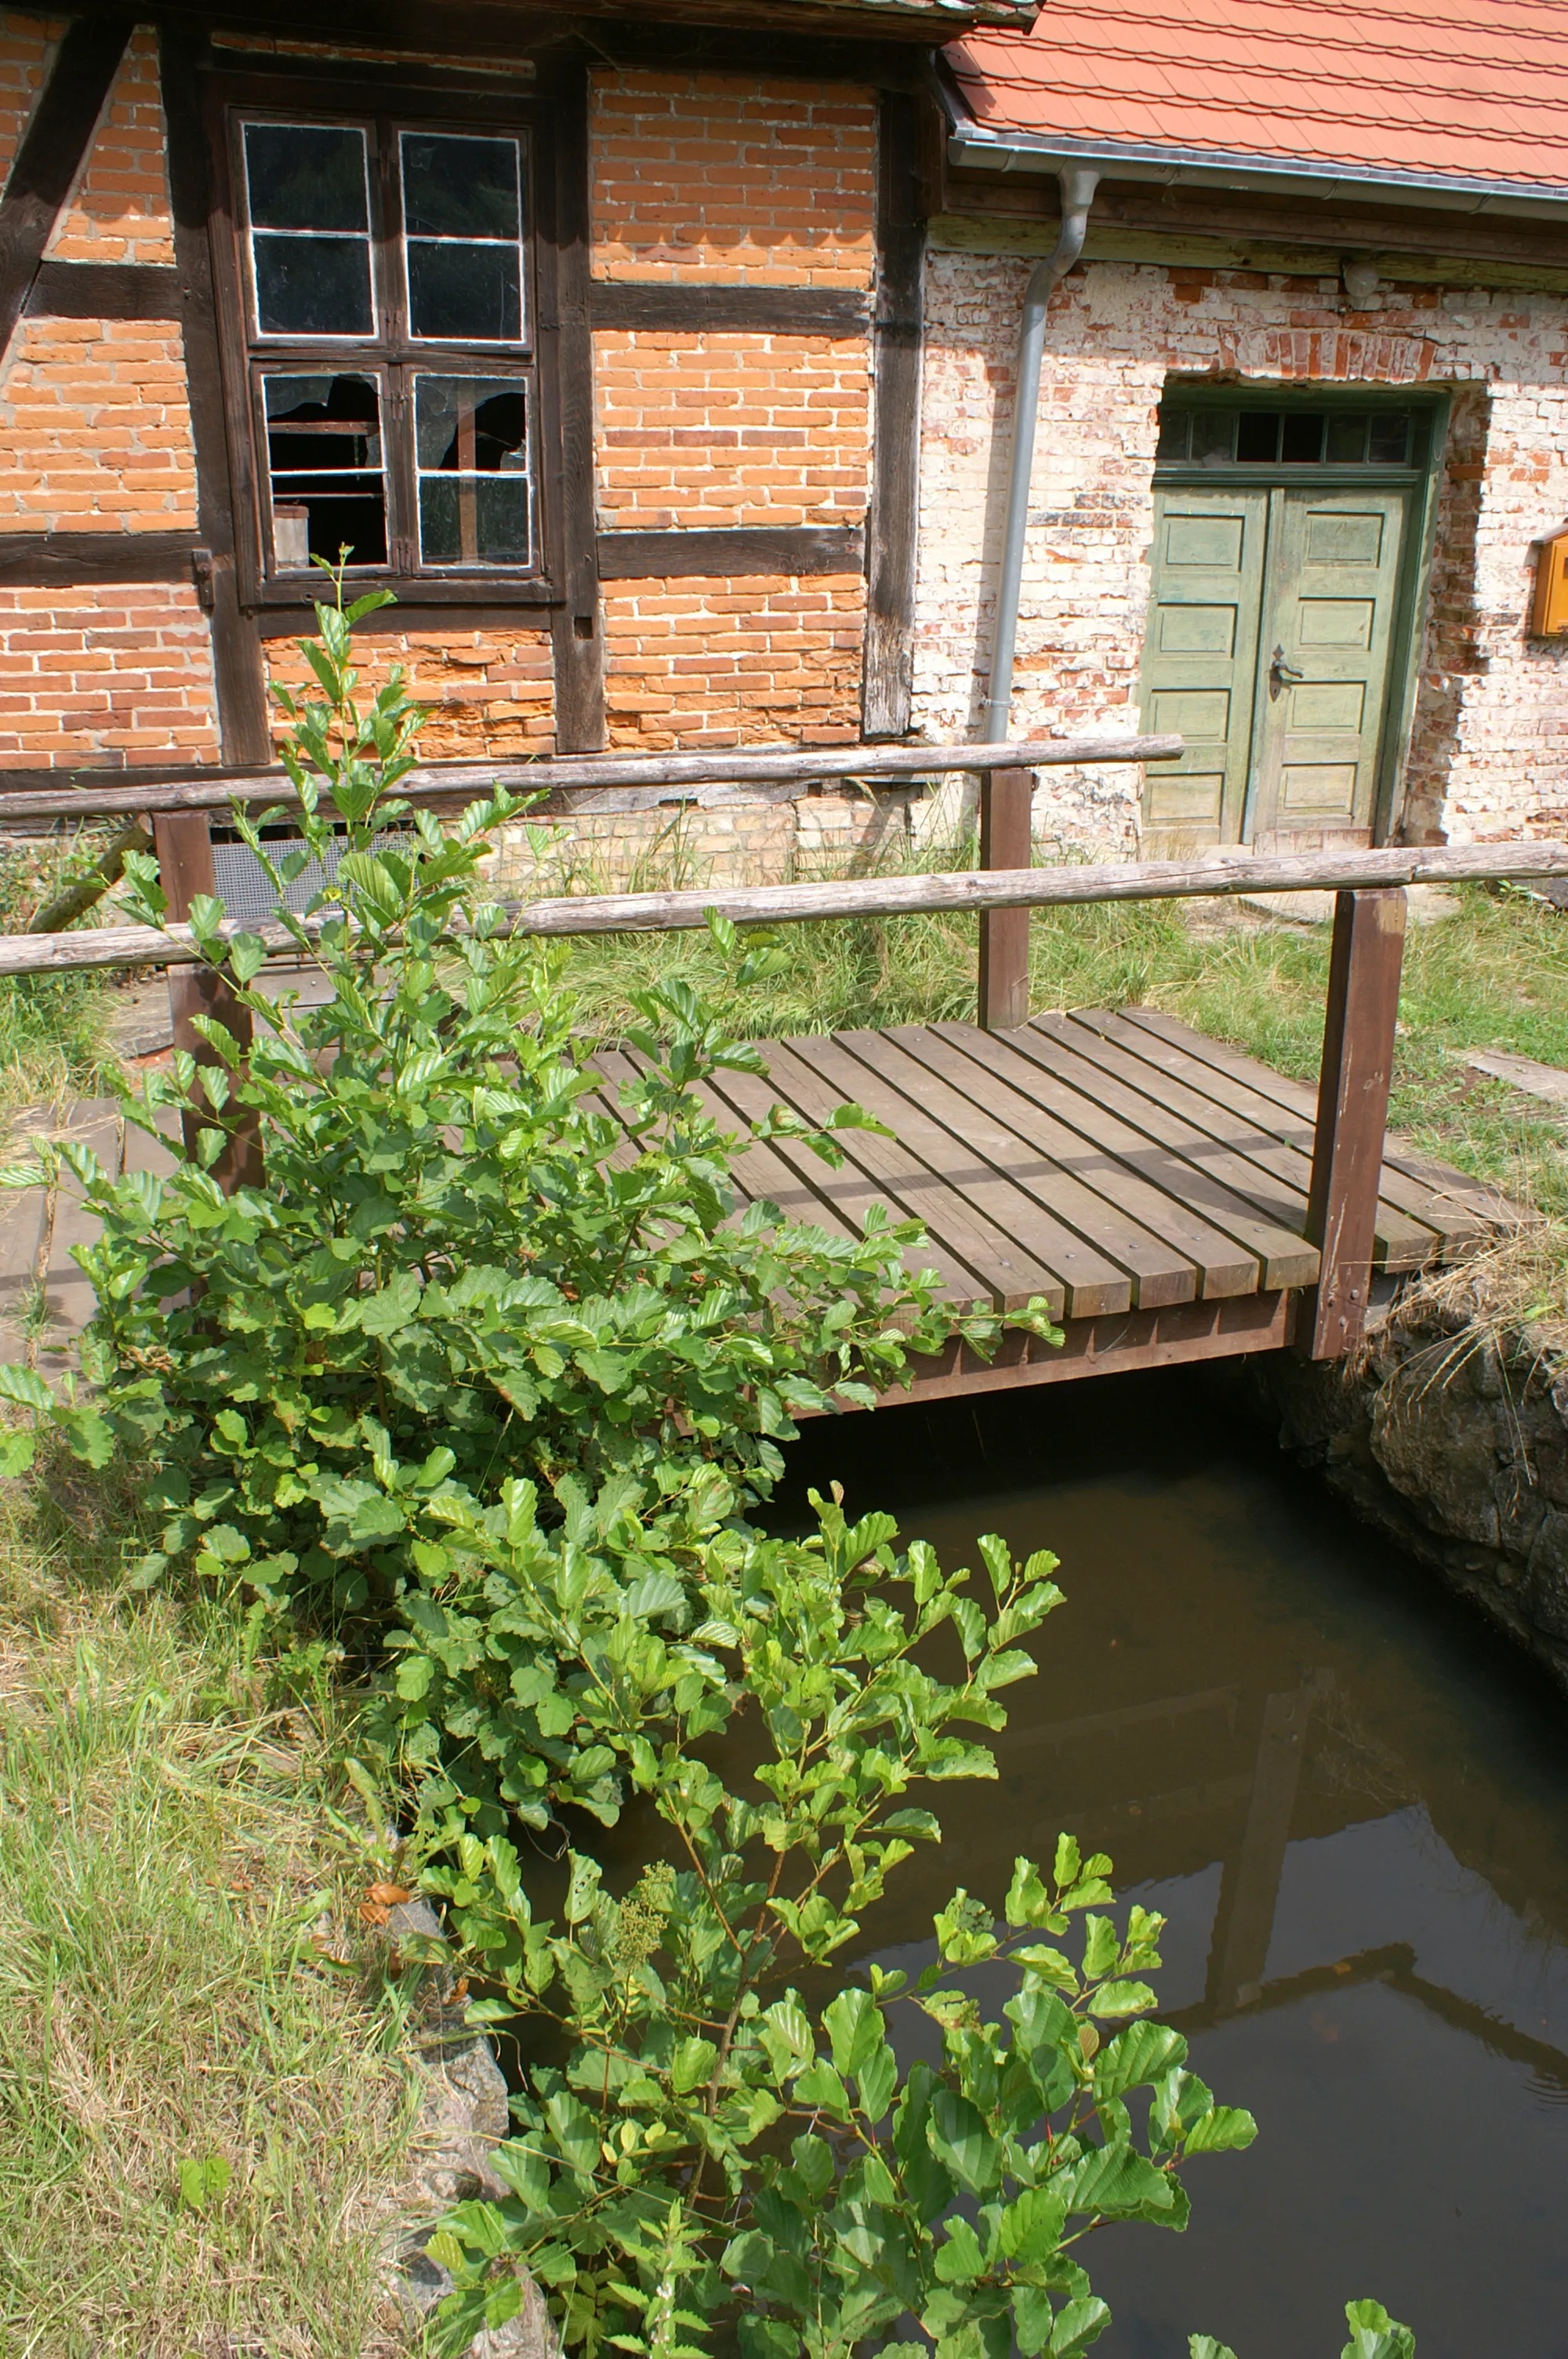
x: 383, y: 109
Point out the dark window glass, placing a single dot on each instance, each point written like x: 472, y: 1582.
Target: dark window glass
x: 325, y: 469
x: 1214, y: 435
x: 1389, y: 443
x: 313, y: 285
x: 460, y: 188
x: 1258, y: 434
x: 462, y: 218
x: 475, y: 493
x: 1301, y: 440
x: 465, y: 294
x: 1173, y: 427
x: 306, y: 176
x: 1347, y: 436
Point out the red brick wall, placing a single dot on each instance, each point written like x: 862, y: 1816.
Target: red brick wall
x: 491, y: 692
x: 104, y: 677
x: 718, y: 430
x: 720, y: 180
x: 95, y: 437
x: 119, y: 211
x: 733, y: 663
x: 709, y: 177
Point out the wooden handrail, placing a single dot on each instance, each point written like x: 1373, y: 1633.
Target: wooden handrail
x: 870, y: 896
x: 647, y: 777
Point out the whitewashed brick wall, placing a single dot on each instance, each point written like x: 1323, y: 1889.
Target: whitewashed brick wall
x: 1489, y: 751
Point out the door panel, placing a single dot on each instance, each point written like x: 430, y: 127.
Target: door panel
x: 1331, y: 589
x: 1200, y: 658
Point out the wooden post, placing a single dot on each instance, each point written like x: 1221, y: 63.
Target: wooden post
x: 1352, y: 1116
x: 1006, y: 797
x: 183, y: 842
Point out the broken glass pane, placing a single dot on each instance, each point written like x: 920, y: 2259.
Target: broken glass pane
x: 309, y: 212
x: 475, y: 492
x: 462, y: 217
x: 1302, y: 442
x: 325, y: 470
x: 1258, y: 434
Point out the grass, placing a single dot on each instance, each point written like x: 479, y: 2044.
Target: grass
x: 54, y: 1028
x: 167, y: 1864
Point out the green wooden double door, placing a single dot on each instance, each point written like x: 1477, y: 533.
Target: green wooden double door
x: 1275, y: 647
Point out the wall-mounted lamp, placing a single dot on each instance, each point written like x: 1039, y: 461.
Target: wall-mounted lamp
x: 1360, y: 278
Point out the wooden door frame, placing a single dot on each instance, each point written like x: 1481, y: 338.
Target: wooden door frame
x: 1406, y: 629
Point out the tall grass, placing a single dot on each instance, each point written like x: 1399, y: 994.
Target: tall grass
x: 167, y: 1865
x: 54, y: 1028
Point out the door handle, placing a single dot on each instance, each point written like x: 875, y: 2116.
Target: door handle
x: 1279, y: 671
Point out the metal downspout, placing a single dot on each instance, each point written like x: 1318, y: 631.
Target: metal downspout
x: 1079, y: 182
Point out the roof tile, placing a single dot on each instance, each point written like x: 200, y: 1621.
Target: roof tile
x: 1460, y: 90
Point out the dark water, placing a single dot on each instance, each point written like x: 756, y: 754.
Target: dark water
x: 1351, y: 1802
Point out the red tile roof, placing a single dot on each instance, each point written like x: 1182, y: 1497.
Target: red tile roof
x: 1447, y: 91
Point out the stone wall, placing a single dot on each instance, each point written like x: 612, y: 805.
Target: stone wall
x: 1454, y: 1443
x: 1489, y: 752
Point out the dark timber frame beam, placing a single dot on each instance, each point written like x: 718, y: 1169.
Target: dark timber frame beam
x: 236, y: 644
x: 887, y: 674
x: 565, y: 382
x: 53, y: 147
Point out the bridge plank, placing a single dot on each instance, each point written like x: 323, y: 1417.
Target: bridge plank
x: 1237, y: 1197
x: 1399, y: 1243
x: 1463, y: 1210
x: 1151, y: 1271
x: 1200, y: 1221
x: 1092, y: 1284
x: 853, y: 1188
x: 1009, y: 1277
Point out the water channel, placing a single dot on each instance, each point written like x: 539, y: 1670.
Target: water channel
x: 1351, y: 1802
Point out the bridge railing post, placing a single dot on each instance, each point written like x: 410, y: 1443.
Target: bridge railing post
x: 1352, y: 1118
x: 1006, y: 805
x: 183, y: 842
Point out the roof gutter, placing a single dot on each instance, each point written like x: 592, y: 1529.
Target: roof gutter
x: 1079, y: 181
x: 974, y: 148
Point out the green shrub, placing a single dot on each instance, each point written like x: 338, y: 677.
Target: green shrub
x: 492, y: 1378
x: 455, y: 1271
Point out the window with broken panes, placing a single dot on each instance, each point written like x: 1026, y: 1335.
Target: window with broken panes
x: 1241, y: 435
x: 386, y: 280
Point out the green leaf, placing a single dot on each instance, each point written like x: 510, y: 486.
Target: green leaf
x: 1078, y: 2326
x: 1222, y: 2130
x: 959, y: 2260
x: 1374, y: 2334
x: 960, y: 2140
x: 1203, y: 2347
x: 857, y: 2028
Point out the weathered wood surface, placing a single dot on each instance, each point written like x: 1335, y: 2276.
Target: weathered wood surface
x: 1352, y: 1118
x: 1079, y: 1158
x: 1048, y: 1162
x: 766, y: 765
x: 1007, y: 800
x: 970, y: 889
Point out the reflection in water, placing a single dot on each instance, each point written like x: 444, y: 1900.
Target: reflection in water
x: 1351, y: 1803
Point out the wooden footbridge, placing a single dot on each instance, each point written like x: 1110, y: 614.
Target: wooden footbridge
x: 1170, y: 1199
